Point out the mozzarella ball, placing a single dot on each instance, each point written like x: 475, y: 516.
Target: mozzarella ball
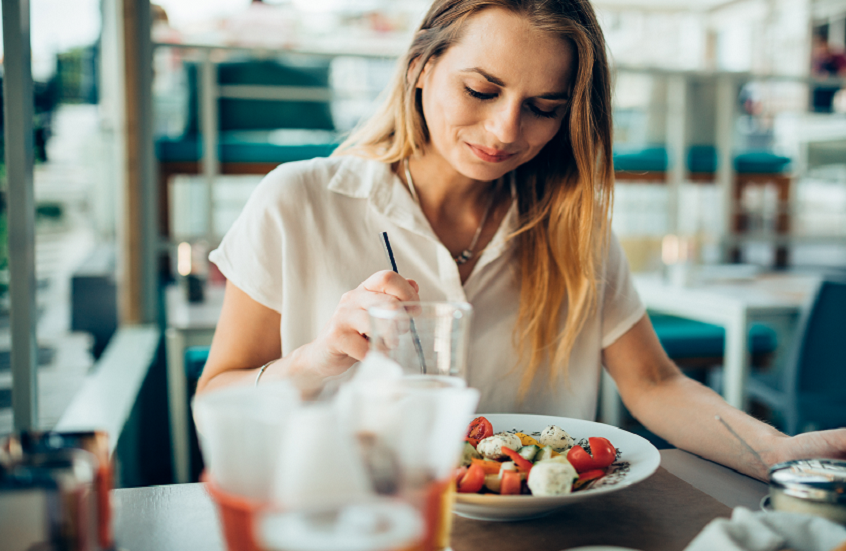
x: 491, y: 447
x: 552, y: 478
x: 556, y: 438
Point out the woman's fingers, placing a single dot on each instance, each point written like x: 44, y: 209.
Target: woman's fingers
x: 354, y: 345
x: 343, y: 339
x: 392, y: 284
x: 825, y: 443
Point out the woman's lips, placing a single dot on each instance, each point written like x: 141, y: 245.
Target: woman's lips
x: 489, y: 154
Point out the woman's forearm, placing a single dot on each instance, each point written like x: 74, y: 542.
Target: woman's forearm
x: 685, y: 413
x: 294, y: 367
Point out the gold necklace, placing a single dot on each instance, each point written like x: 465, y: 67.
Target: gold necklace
x: 467, y: 253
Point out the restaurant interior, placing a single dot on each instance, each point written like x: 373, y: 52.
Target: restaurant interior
x: 153, y: 121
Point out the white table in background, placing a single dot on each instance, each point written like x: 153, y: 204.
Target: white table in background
x: 775, y: 299
x: 188, y: 324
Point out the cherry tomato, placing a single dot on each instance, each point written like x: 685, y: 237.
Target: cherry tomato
x: 522, y: 463
x: 473, y: 481
x: 479, y: 429
x: 590, y: 475
x: 511, y: 483
x: 472, y: 441
x: 603, y: 452
x: 581, y: 460
x: 459, y: 473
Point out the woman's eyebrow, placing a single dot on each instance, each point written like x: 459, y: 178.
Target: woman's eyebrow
x: 499, y: 82
x: 489, y: 77
x: 555, y: 96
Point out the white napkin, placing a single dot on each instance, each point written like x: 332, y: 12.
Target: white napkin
x: 765, y: 531
x: 376, y: 367
x: 363, y: 402
x: 318, y: 465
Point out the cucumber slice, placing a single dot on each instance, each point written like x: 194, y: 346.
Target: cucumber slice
x: 468, y: 454
x: 544, y: 453
x: 529, y: 452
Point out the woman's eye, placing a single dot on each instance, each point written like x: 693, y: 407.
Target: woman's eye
x: 541, y: 113
x: 478, y: 95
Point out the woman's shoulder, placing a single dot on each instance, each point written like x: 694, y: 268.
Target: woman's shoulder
x: 345, y: 174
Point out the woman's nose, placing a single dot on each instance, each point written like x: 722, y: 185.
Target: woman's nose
x: 504, y: 122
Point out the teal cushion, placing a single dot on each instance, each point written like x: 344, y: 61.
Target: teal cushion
x: 684, y: 338
x: 646, y: 159
x: 702, y: 158
x: 760, y: 162
x: 195, y: 361
x: 252, y: 147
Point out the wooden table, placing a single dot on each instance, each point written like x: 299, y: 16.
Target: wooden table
x: 662, y: 513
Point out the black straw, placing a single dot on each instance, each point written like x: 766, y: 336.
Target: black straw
x: 389, y: 252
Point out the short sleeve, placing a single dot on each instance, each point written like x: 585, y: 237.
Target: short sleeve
x: 621, y: 305
x: 252, y: 251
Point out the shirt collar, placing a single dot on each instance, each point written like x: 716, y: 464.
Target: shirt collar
x: 362, y: 178
x: 357, y: 177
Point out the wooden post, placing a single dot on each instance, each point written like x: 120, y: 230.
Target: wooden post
x: 139, y: 238
x: 20, y: 207
x: 726, y: 99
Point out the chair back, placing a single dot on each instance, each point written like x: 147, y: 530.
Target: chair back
x: 264, y: 114
x: 815, y: 376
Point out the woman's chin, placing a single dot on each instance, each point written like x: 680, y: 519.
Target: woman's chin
x: 486, y: 171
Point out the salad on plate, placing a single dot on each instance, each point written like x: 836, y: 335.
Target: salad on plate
x: 546, y: 463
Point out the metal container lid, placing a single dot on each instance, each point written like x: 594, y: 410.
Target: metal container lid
x: 811, y: 479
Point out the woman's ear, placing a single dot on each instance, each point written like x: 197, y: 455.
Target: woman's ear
x: 412, y: 70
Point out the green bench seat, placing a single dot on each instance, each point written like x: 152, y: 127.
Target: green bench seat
x: 701, y: 159
x: 683, y: 338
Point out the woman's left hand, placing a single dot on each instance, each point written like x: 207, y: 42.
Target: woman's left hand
x: 819, y: 444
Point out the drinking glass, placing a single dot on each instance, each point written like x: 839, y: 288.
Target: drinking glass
x: 320, y: 466
x: 240, y: 430
x: 410, y: 432
x: 429, y: 338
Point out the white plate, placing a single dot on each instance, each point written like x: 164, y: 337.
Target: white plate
x: 642, y: 458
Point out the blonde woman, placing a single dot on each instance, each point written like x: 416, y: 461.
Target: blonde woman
x: 489, y: 166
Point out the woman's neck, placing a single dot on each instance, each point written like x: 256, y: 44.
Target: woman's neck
x: 442, y: 190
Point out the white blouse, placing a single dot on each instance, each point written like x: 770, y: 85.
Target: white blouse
x: 310, y: 232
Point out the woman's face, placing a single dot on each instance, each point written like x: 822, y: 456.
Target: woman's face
x: 497, y: 96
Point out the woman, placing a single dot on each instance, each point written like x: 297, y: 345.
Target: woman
x: 489, y: 167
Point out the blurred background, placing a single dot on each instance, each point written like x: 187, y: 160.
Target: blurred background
x: 153, y: 122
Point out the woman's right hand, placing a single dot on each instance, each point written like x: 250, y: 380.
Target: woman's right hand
x: 343, y: 341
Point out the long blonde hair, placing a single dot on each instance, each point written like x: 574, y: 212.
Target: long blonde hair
x: 564, y: 194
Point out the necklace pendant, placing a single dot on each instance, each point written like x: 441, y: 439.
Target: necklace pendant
x: 465, y: 255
